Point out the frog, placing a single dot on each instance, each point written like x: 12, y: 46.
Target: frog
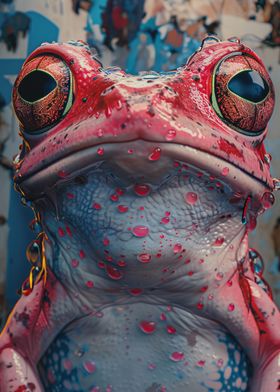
x: 144, y: 190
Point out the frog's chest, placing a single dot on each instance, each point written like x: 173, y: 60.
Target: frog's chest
x: 140, y: 347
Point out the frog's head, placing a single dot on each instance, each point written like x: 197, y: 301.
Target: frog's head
x: 212, y: 113
x: 196, y: 133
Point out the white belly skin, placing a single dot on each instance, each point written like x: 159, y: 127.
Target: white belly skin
x: 144, y: 348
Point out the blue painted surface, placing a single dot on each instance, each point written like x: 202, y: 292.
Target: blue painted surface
x: 42, y: 29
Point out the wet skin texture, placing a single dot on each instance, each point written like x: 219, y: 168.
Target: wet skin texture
x: 144, y: 189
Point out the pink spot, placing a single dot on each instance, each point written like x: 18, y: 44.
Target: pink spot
x: 190, y: 273
x: 219, y: 241
x: 177, y: 248
x: 200, y: 363
x: 100, y: 132
x: 89, y: 284
x: 144, y: 257
x: 70, y: 196
x: 191, y: 198
x: 171, y: 134
x: 231, y: 307
x: 68, y: 231
x: 229, y: 283
x: 203, y: 289
x: 75, y: 263
x: 152, y: 366
x: 171, y: 330
x: 96, y: 206
x: 199, y: 306
x: 82, y: 254
x: 89, y: 366
x: 106, y: 241
x: 113, y: 272
x: 130, y: 151
x: 114, y: 197
x: 101, y: 264
x: 51, y: 377
x: 147, y: 327
x: 136, y: 291
x: 61, y: 232
x: 225, y: 171
x: 177, y: 356
x: 140, y: 231
x: 155, y: 155
x: 187, y: 261
x: 67, y: 364
x: 62, y: 174
x: 163, y: 317
x: 122, y: 208
x: 142, y: 189
x: 121, y: 263
x: 100, y: 151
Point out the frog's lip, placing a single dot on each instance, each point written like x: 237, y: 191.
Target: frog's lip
x: 38, y: 183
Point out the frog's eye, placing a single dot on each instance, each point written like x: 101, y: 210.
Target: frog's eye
x: 42, y: 93
x: 242, y: 94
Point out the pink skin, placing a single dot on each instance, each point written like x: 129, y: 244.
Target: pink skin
x: 170, y: 117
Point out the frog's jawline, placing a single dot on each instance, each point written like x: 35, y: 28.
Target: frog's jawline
x: 71, y: 166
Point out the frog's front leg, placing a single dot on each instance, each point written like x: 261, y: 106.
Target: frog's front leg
x: 34, y: 322
x: 254, y: 320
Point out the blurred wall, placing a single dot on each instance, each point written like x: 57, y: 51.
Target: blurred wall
x: 136, y: 35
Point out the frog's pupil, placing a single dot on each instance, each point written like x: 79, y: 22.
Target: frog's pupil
x: 249, y: 85
x: 36, y: 85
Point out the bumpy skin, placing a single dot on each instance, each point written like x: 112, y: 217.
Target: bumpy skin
x: 144, y: 188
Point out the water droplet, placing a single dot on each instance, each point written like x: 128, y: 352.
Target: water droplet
x: 171, y: 330
x: 219, y: 276
x: 177, y: 356
x: 220, y: 362
x: 100, y: 151
x: 152, y: 366
x: 155, y: 155
x: 165, y: 220
x: 219, y: 241
x: 114, y: 197
x: 122, y: 208
x: 268, y: 200
x: 140, y: 231
x: 113, y: 272
x: 89, y: 366
x: 62, y: 174
x: 171, y: 134
x: 33, y: 252
x: 144, y: 257
x: 191, y: 198
x: 96, y: 206
x: 75, y: 263
x: 231, y: 307
x: 142, y: 189
x: 177, y: 248
x: 106, y: 241
x: 61, y: 232
x: 225, y: 171
x: 100, y: 132
x: 163, y: 317
x: 147, y: 327
x: 136, y: 291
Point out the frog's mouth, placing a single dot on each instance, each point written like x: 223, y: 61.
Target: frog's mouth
x: 139, y: 161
